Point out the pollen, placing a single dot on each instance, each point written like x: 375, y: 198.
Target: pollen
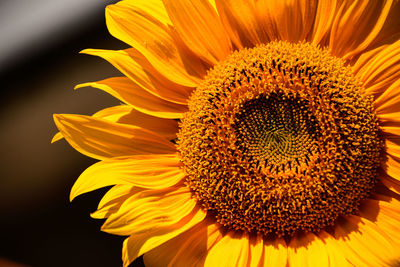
x: 280, y: 139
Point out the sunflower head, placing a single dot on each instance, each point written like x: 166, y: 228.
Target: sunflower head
x: 280, y: 138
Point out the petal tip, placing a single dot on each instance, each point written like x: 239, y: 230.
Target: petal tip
x: 74, y: 192
x: 58, y: 136
x: 72, y: 195
x: 81, y: 85
x: 57, y: 120
x: 88, y: 51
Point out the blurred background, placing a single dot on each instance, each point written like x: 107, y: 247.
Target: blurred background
x: 39, y: 66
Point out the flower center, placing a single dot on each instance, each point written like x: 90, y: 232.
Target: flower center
x: 280, y: 138
x: 279, y: 131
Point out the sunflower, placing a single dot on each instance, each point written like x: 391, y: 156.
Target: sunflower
x: 253, y: 133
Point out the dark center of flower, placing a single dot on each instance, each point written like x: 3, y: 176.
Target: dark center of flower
x: 279, y: 131
x: 279, y: 139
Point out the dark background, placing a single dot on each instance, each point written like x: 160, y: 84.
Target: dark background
x: 39, y: 66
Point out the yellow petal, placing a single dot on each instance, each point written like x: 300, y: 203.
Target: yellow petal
x: 373, y: 29
x: 154, y: 8
x: 275, y: 252
x: 389, y: 100
x: 102, y: 139
x: 324, y: 17
x: 168, y: 254
x: 392, y: 167
x: 379, y: 69
x: 391, y: 183
x: 198, y: 246
x: 146, y: 171
x: 390, y: 127
x: 113, y: 114
x: 128, y: 115
x: 136, y: 245
x: 187, y: 249
x: 384, y: 213
x: 58, y: 136
x: 366, y: 18
x: 150, y: 209
x: 231, y: 250
x: 334, y: 250
x: 241, y: 22
x: 199, y: 26
x: 389, y: 117
x: 390, y: 130
x: 256, y: 251
x: 127, y: 61
x: 193, y: 65
x: 142, y: 27
x: 289, y: 20
x: 392, y: 148
x: 113, y: 199
x: 362, y: 67
x: 307, y: 250
x: 130, y: 93
x: 363, y: 243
